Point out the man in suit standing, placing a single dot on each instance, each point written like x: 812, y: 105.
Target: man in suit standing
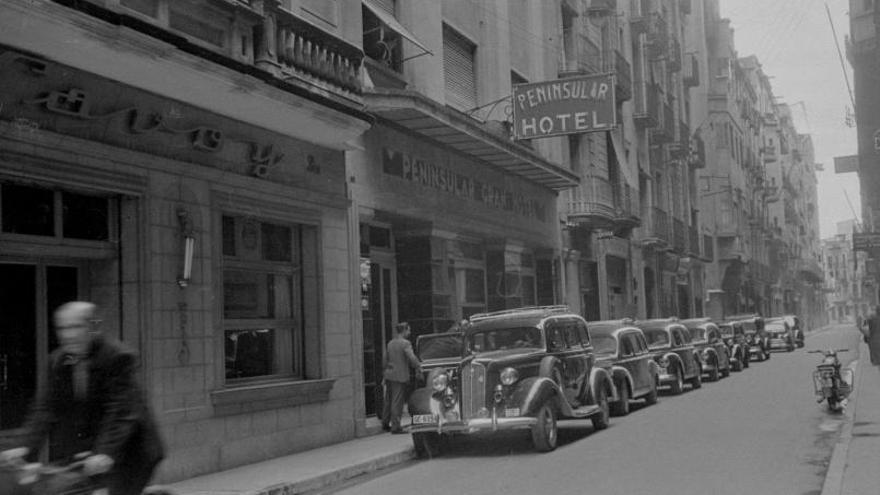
x: 93, y: 403
x: 399, y: 358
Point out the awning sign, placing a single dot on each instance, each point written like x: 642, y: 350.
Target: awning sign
x: 866, y: 241
x: 565, y: 106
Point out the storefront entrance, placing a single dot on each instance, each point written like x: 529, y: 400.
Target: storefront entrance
x: 30, y: 290
x: 378, y: 310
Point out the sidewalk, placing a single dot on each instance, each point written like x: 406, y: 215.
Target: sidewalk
x: 309, y: 470
x: 853, y: 469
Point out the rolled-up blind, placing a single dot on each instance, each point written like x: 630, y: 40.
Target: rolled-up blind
x: 459, y: 69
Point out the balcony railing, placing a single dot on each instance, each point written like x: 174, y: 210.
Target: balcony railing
x: 665, y: 132
x: 593, y: 203
x: 658, y: 38
x: 679, y: 236
x: 588, y: 58
x: 769, y: 153
x: 647, y: 105
x: 660, y: 224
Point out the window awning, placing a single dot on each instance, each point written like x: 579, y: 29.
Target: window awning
x: 394, y: 25
x: 418, y: 113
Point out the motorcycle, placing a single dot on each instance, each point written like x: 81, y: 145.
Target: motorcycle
x: 830, y: 382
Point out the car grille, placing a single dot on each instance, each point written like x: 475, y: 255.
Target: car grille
x: 473, y: 389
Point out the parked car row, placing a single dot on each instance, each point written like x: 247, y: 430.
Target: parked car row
x: 527, y: 368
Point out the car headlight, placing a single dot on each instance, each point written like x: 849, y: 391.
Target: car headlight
x: 509, y: 376
x: 440, y: 382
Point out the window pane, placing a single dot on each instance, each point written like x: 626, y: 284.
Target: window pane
x: 475, y: 290
x: 276, y: 242
x: 528, y: 290
x: 228, y: 236
x: 28, y: 210
x: 250, y: 353
x: 256, y: 295
x: 85, y: 217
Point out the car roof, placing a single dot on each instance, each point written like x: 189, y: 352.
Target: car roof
x: 657, y: 323
x: 611, y: 327
x: 531, y: 316
x: 697, y: 323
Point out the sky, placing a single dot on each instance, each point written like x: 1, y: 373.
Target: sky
x: 794, y: 42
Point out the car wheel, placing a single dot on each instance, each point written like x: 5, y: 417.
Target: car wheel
x: 746, y: 360
x: 790, y: 347
x: 621, y: 407
x: 697, y: 381
x: 427, y: 444
x: 737, y: 365
x: 601, y: 420
x: 651, y: 398
x: 726, y: 371
x: 544, y: 433
x: 713, y: 375
x: 678, y: 384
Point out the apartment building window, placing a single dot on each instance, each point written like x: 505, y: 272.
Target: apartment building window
x: 380, y: 43
x: 265, y: 282
x: 459, y: 70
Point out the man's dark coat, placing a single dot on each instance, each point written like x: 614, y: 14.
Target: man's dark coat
x: 112, y: 418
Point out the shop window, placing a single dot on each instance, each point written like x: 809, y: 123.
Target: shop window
x: 263, y: 298
x: 84, y: 217
x: 30, y: 210
x: 475, y: 286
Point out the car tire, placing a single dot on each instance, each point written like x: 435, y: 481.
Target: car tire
x: 714, y: 375
x: 651, y: 398
x: 677, y: 386
x: 737, y: 365
x: 427, y: 444
x: 697, y: 380
x: 726, y: 371
x: 621, y: 407
x: 746, y: 361
x: 545, y: 432
x: 601, y: 420
x: 790, y: 348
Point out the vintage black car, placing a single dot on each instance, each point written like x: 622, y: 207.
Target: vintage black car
x: 714, y: 353
x: 670, y: 344
x: 753, y: 326
x: 780, y: 335
x: 520, y: 369
x: 738, y: 349
x: 621, y: 348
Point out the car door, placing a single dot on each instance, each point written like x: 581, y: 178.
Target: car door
x: 626, y: 351
x: 682, y: 341
x: 715, y: 340
x: 576, y: 364
x: 640, y: 370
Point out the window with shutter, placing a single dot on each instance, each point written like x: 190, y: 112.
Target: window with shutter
x: 459, y: 69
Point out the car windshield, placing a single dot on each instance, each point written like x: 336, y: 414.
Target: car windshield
x: 726, y: 330
x: 440, y: 346
x: 775, y: 327
x: 506, y: 338
x: 698, y: 333
x: 657, y: 338
x: 604, y: 344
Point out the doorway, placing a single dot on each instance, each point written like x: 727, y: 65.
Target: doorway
x: 378, y: 311
x: 30, y: 291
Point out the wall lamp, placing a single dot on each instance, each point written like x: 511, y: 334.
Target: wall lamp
x: 189, y: 240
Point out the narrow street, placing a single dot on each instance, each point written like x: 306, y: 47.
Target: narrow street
x: 757, y: 432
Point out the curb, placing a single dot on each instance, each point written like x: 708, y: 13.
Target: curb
x: 340, y: 475
x: 837, y: 465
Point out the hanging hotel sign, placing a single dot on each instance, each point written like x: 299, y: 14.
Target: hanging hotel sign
x: 565, y: 106
x: 866, y: 241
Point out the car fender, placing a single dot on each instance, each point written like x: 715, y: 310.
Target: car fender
x: 599, y: 377
x: 736, y: 352
x: 674, y: 360
x: 711, y: 354
x: 654, y: 369
x: 622, y: 376
x: 530, y: 393
x: 420, y: 401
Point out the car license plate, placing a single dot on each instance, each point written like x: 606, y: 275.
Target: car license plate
x: 423, y: 419
x: 511, y: 412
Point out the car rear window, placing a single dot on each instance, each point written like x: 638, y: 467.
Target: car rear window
x: 657, y: 338
x: 604, y: 344
x: 440, y: 346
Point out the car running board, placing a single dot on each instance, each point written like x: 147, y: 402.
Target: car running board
x: 585, y: 411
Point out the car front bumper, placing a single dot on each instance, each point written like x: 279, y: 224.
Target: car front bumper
x: 478, y: 425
